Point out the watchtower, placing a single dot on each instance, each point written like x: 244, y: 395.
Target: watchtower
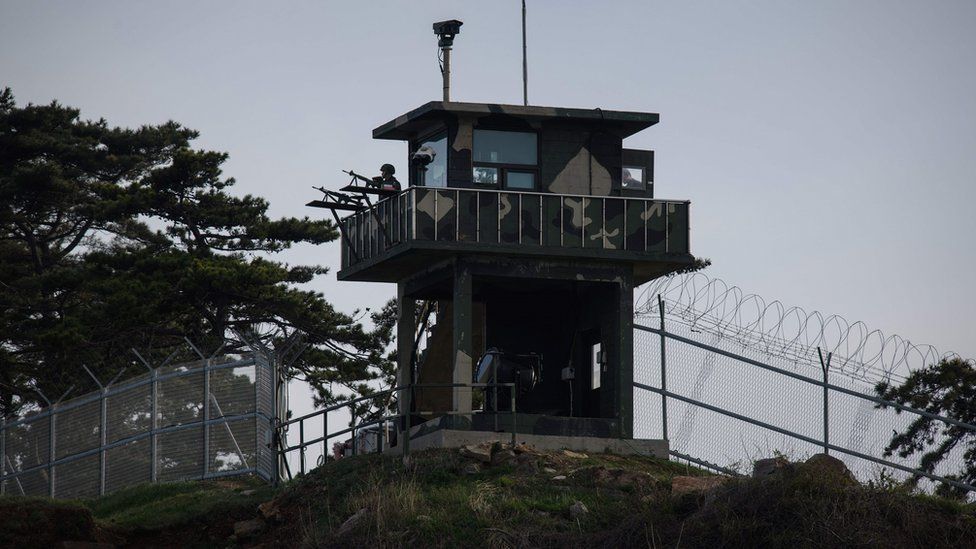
x: 524, y: 229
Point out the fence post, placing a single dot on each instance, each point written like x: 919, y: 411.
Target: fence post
x: 301, y: 444
x: 257, y: 414
x: 273, y: 420
x: 3, y: 454
x: 352, y: 415
x: 206, y: 417
x: 103, y: 439
x: 664, y: 376
x: 154, y: 426
x: 52, y: 429
x: 825, y: 367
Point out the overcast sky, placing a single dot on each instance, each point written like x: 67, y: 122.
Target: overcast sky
x: 828, y: 148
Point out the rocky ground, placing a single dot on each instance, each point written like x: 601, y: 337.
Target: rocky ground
x: 496, y: 495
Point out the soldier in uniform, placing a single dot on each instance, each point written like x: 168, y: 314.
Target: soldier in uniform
x: 386, y: 180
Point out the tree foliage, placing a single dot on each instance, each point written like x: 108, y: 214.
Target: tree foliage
x: 948, y: 389
x: 114, y: 238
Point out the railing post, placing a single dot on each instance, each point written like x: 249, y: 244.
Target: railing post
x: 103, y: 439
x: 154, y: 426
x: 513, y: 390
x: 379, y: 438
x: 664, y: 372
x: 206, y: 417
x: 405, y: 394
x: 825, y: 367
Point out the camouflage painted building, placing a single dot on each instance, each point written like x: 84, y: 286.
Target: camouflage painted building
x: 529, y: 227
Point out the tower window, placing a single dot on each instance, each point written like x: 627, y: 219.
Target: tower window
x: 632, y: 177
x: 506, y: 159
x: 435, y: 173
x: 596, y: 365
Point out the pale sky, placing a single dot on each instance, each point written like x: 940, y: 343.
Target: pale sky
x: 828, y: 148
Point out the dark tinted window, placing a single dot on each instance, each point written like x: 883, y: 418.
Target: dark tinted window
x: 521, y: 181
x: 498, y: 147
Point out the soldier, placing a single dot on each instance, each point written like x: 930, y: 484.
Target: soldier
x: 629, y: 181
x: 385, y: 180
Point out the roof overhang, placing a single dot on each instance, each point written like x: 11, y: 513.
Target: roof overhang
x: 420, y: 120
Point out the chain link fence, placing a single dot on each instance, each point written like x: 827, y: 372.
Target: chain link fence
x: 724, y: 397
x: 203, y: 419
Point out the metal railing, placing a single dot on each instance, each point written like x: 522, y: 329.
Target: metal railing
x: 383, y: 440
x: 199, y: 420
x: 722, y: 402
x: 492, y: 217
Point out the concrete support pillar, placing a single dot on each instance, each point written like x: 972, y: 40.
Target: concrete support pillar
x: 406, y: 329
x: 463, y: 336
x: 624, y: 332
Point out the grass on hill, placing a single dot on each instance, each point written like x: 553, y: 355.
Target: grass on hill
x: 443, y: 499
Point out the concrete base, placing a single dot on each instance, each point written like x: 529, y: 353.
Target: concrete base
x: 449, y: 438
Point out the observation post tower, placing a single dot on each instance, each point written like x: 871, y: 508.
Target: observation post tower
x: 515, y: 250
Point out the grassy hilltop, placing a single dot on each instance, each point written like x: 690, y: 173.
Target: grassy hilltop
x: 500, y: 497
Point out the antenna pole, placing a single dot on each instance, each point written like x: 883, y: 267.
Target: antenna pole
x: 525, y: 63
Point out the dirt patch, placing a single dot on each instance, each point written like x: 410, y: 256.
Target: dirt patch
x: 36, y: 522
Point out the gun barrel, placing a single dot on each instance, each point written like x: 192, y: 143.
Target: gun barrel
x: 357, y: 176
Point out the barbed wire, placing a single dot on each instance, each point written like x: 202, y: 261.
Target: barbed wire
x: 793, y: 333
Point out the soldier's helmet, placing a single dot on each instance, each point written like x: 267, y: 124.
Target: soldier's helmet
x: 387, y: 168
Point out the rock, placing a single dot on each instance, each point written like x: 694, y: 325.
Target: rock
x: 577, y: 509
x: 351, y: 522
x: 621, y: 479
x: 502, y: 456
x: 248, y: 492
x: 769, y: 466
x: 559, y: 477
x: 826, y: 464
x: 248, y: 528
x: 523, y: 448
x: 548, y: 470
x: 481, y: 452
x: 527, y: 464
x: 574, y: 455
x: 270, y: 510
x: 691, y: 485
x: 471, y: 469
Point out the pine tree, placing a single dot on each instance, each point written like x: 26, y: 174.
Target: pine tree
x: 947, y: 388
x: 113, y: 239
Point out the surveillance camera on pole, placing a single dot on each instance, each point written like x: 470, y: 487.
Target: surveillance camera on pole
x: 446, y: 30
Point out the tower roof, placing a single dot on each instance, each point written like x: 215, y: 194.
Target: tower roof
x: 423, y: 118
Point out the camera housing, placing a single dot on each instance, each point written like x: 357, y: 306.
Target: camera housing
x: 446, y: 30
